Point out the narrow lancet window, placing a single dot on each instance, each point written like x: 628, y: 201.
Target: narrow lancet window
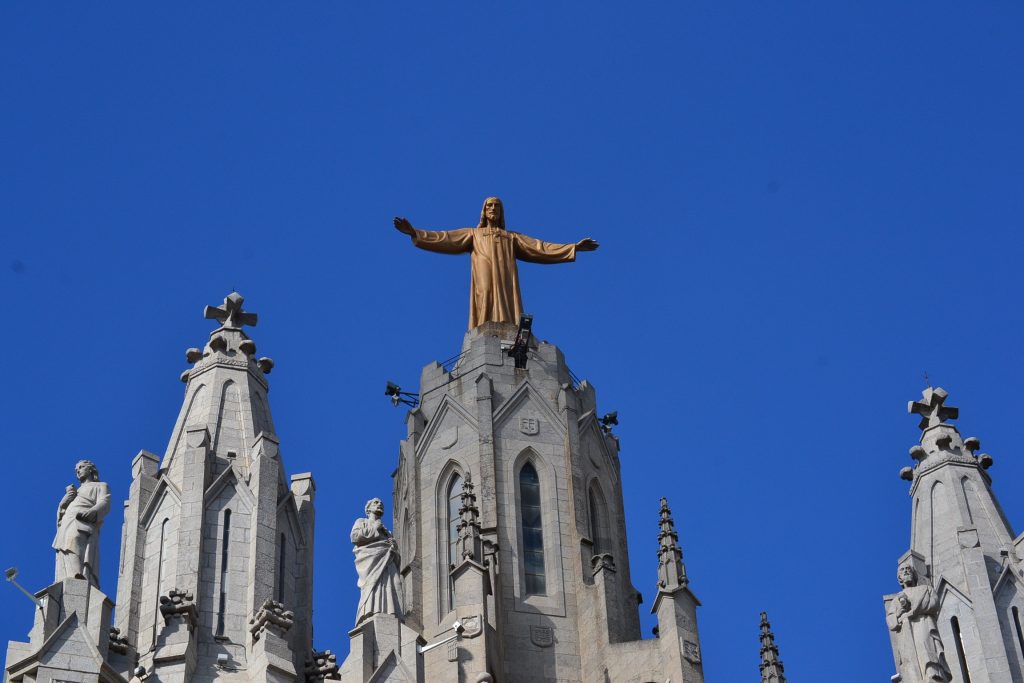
x: 280, y: 571
x: 454, y: 497
x: 1016, y: 624
x: 159, y: 577
x: 596, y: 526
x: 533, y: 536
x: 965, y: 674
x: 224, y: 546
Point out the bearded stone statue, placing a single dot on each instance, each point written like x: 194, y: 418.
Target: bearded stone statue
x: 494, y: 278
x: 377, y: 564
x: 911, y: 616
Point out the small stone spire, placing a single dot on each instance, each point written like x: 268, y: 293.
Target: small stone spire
x: 671, y: 572
x: 932, y: 409
x: 469, y: 543
x: 771, y: 665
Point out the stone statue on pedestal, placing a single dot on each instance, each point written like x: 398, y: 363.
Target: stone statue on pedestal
x: 494, y: 278
x: 79, y: 517
x: 377, y: 564
x: 911, y: 615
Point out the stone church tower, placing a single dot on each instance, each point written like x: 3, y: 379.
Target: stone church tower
x: 959, y: 615
x: 215, y: 574
x: 509, y: 517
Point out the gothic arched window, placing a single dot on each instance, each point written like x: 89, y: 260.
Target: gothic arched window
x: 533, y: 536
x: 225, y: 545
x: 597, y: 525
x: 454, y: 496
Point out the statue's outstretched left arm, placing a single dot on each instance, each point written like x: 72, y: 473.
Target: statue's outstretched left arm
x: 537, y: 251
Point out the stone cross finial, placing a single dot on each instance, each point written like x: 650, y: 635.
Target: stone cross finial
x: 671, y: 572
x: 932, y: 410
x: 771, y: 665
x: 230, y: 313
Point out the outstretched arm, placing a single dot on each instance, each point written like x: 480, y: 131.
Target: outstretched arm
x: 537, y: 251
x: 443, y: 241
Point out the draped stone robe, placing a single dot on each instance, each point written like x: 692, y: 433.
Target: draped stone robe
x: 92, y: 495
x: 377, y: 564
x: 494, y: 278
x: 922, y: 659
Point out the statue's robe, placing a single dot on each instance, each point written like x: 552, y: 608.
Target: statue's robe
x: 494, y: 279
x: 380, y: 582
x: 922, y: 659
x: 92, y: 495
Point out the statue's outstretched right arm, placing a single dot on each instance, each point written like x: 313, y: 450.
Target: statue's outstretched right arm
x: 442, y: 241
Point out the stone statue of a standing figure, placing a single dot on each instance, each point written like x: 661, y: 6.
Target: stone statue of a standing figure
x: 911, y: 615
x: 494, y: 278
x: 79, y: 517
x: 377, y: 564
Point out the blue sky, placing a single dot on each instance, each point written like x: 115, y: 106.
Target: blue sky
x: 802, y: 208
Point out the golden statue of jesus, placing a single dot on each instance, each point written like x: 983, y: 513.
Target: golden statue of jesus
x: 494, y: 285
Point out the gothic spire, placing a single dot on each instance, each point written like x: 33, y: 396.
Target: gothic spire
x: 771, y: 665
x: 671, y: 571
x: 469, y: 543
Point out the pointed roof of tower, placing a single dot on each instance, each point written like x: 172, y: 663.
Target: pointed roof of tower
x: 226, y: 387
x: 671, y: 571
x: 771, y: 665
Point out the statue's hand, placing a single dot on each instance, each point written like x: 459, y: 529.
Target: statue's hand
x: 403, y: 225
x: 70, y: 493
x: 89, y: 516
x: 587, y: 244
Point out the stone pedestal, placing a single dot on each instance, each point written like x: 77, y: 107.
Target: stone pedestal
x: 383, y: 649
x: 69, y: 640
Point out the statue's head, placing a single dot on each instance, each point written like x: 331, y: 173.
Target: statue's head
x: 492, y: 214
x: 374, y: 505
x: 86, y: 470
x: 907, y: 576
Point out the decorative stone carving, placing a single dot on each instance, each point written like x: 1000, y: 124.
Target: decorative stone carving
x: 529, y: 425
x: 542, y: 636
x: 230, y: 313
x: 602, y: 561
x: 469, y: 545
x: 118, y: 643
x: 494, y: 278
x: 79, y: 518
x: 179, y: 604
x: 671, y: 572
x: 472, y: 626
x: 322, y: 665
x: 911, y: 616
x: 377, y: 564
x: 272, y: 615
x: 691, y: 652
x: 932, y: 409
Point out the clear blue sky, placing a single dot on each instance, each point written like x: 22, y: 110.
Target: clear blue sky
x: 802, y: 208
